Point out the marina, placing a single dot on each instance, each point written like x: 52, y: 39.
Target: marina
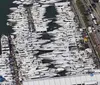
x: 64, y: 48
x: 46, y: 43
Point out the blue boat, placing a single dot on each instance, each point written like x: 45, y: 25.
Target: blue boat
x: 2, y: 79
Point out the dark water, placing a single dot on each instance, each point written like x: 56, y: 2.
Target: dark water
x: 4, y: 10
x: 51, y: 12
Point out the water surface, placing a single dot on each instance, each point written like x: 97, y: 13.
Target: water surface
x: 4, y: 11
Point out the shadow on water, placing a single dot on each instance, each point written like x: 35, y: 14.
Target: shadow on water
x: 52, y: 26
x: 47, y: 42
x: 42, y: 52
x: 51, y: 66
x: 46, y: 36
x: 62, y: 73
x: 47, y: 61
x: 63, y: 0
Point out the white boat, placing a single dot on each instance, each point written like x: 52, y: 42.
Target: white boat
x: 13, y: 8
